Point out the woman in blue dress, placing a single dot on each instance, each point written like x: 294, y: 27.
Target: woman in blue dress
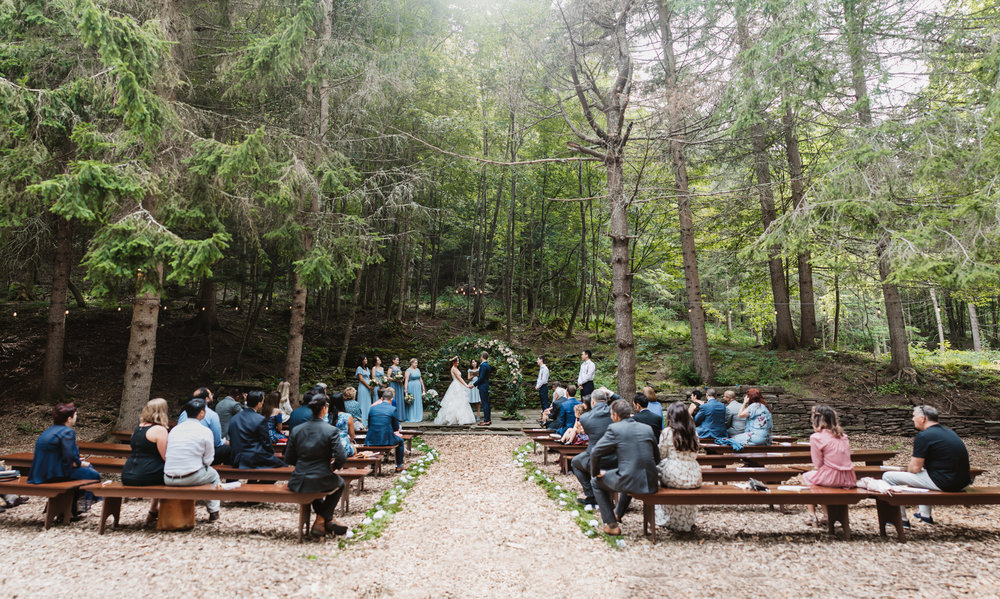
x: 395, y: 373
x: 344, y: 421
x: 473, y: 374
x: 415, y: 387
x: 759, y: 420
x: 378, y: 374
x: 364, y: 387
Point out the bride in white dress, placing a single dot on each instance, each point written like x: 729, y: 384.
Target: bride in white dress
x: 455, y: 407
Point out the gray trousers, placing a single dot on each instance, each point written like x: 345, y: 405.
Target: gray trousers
x: 920, y: 480
x: 206, y: 476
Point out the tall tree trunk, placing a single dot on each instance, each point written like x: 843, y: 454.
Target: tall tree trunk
x: 51, y: 388
x: 583, y: 256
x: 141, y: 352
x: 977, y: 343
x: 296, y: 332
x: 806, y: 295
x: 937, y: 319
x: 836, y: 312
x: 352, y: 311
x: 784, y: 332
x: 689, y: 256
x: 404, y: 261
x: 899, y: 364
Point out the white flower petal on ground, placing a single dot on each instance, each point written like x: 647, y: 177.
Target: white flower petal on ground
x: 594, y: 523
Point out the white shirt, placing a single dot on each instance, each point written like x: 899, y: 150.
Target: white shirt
x: 543, y: 377
x: 190, y: 447
x: 587, y: 370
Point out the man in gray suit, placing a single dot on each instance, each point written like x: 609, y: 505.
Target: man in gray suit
x: 594, y: 423
x: 634, y: 445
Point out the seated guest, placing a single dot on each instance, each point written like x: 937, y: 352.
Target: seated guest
x: 190, y: 452
x: 758, y: 419
x: 144, y: 467
x: 678, y: 468
x: 734, y: 424
x: 285, y: 390
x: 831, y: 455
x: 709, y: 416
x: 272, y: 412
x: 634, y: 446
x: 344, y: 422
x: 550, y: 414
x: 227, y: 408
x: 302, y: 413
x: 249, y: 438
x: 940, y: 461
x: 595, y: 424
x: 57, y: 457
x: 223, y: 453
x: 645, y: 415
x: 566, y: 417
x: 383, y: 426
x: 576, y: 435
x: 312, y: 447
x: 353, y: 406
x: 653, y: 404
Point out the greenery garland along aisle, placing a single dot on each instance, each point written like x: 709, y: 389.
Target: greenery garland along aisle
x: 587, y: 520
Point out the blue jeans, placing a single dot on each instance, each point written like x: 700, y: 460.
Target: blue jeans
x: 85, y: 473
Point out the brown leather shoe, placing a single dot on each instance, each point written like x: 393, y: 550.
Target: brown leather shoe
x: 612, y: 531
x: 318, y: 528
x: 332, y: 526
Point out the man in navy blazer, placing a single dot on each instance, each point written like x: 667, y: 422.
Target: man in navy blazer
x: 249, y: 438
x: 709, y: 416
x: 483, y: 382
x: 383, y: 426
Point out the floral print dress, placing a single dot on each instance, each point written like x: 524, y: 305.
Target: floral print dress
x: 678, y: 470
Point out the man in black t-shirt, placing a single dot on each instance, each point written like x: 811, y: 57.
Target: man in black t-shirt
x: 940, y: 461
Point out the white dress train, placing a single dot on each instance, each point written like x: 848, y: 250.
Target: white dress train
x: 455, y: 408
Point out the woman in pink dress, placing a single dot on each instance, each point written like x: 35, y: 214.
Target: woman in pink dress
x: 831, y: 455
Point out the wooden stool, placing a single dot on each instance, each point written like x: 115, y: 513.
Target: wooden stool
x: 176, y: 514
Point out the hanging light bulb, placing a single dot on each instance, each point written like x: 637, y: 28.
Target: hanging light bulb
x: 15, y: 314
x: 119, y: 308
x: 67, y: 312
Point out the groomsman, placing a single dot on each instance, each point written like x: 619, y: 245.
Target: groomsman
x: 587, y: 370
x: 542, y: 384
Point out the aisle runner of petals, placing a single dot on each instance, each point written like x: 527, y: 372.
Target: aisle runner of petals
x: 587, y: 520
x: 377, y: 518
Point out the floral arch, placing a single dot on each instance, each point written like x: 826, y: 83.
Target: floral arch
x: 505, y: 383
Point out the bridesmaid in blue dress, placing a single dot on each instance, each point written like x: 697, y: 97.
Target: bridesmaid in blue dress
x: 364, y: 387
x: 415, y: 387
x: 397, y: 389
x: 378, y: 375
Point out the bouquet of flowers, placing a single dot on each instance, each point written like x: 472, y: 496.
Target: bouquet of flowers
x: 408, y: 399
x: 432, y: 394
x: 396, y: 376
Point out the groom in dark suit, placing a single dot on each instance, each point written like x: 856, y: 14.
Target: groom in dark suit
x: 483, y: 382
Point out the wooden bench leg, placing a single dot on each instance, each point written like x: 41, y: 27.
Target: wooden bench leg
x: 346, y: 498
x: 545, y: 456
x: 176, y: 514
x: 889, y: 514
x: 304, y: 510
x: 61, y: 504
x: 111, y: 506
x: 839, y: 513
x: 649, y: 519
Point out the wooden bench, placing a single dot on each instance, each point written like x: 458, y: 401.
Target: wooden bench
x: 113, y: 493
x: 284, y: 474
x: 60, y: 495
x: 774, y: 439
x: 887, y: 504
x: 115, y: 450
x: 106, y: 465
x: 871, y: 457
x: 786, y: 447
x: 836, y: 501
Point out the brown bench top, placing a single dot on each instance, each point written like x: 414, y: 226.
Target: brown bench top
x: 970, y: 496
x: 21, y: 486
x: 731, y: 495
x: 868, y: 456
x: 262, y: 493
x: 785, y: 447
x: 118, y: 450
